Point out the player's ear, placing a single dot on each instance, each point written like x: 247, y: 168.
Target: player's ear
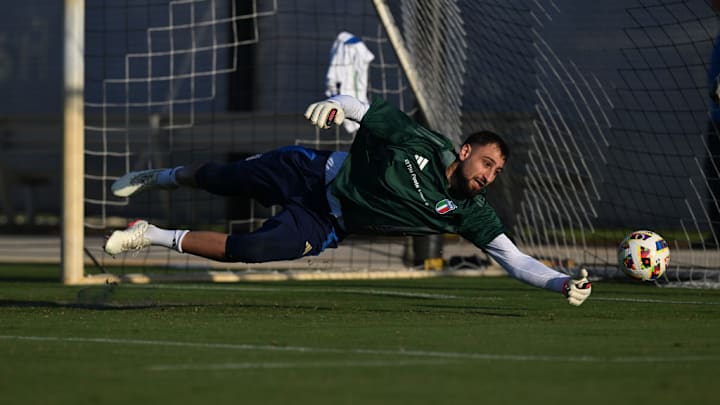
x: 465, y: 151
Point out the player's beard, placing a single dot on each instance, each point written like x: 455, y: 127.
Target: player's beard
x: 461, y: 185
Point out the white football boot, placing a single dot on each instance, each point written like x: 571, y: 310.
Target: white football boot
x: 134, y: 182
x: 132, y: 238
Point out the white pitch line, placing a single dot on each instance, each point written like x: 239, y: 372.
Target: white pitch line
x: 366, y: 291
x: 652, y: 301
x: 401, y: 352
x: 288, y: 365
x: 394, y: 293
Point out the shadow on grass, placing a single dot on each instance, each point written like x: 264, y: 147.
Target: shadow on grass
x: 103, y: 298
x: 426, y: 285
x: 81, y: 305
x: 138, y: 305
x: 474, y: 310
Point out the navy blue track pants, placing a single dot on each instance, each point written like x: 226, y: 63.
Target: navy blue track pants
x: 292, y: 177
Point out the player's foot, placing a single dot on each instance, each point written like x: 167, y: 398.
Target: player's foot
x: 132, y: 238
x: 134, y: 182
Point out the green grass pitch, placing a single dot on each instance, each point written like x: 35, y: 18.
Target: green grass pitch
x: 431, y: 341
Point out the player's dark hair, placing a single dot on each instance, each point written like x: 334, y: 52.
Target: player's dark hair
x: 482, y: 138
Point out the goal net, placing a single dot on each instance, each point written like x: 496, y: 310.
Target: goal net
x: 177, y: 82
x: 605, y: 107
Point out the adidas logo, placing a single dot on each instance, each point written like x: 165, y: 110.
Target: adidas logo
x: 421, y: 161
x: 308, y: 248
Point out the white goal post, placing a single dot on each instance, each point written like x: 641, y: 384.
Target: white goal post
x: 73, y: 215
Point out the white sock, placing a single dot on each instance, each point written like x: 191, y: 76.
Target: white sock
x: 167, y: 177
x: 170, y: 238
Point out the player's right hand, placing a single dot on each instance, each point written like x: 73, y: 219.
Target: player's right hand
x: 324, y: 114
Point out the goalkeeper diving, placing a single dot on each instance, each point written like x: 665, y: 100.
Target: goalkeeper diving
x: 399, y: 178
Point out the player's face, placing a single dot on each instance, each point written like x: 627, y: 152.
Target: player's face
x: 478, y: 168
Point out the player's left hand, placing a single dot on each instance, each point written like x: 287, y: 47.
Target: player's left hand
x: 324, y: 114
x: 577, y: 290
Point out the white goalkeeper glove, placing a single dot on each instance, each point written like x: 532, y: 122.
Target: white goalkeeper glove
x: 324, y: 114
x: 577, y: 290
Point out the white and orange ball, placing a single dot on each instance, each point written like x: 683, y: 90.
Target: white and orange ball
x: 643, y: 255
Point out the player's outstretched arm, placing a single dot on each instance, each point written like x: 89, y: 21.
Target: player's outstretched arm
x: 529, y: 270
x: 334, y: 110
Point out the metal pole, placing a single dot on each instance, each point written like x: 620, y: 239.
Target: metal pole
x: 73, y: 233
x: 405, y: 61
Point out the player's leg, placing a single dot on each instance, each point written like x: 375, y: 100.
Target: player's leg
x: 135, y: 182
x: 293, y: 233
x: 153, y: 179
x: 271, y: 177
x: 141, y: 234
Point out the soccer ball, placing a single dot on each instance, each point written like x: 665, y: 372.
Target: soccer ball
x: 643, y: 255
